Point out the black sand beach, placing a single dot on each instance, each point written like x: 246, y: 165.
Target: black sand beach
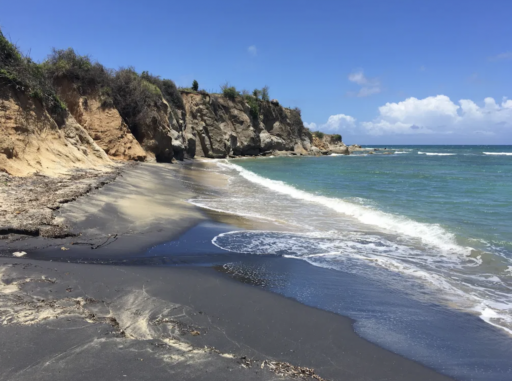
x: 132, y: 318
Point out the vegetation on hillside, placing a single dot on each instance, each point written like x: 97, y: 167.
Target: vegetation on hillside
x: 133, y: 95
x: 229, y: 92
x: 125, y: 89
x: 20, y: 72
x: 264, y: 94
x: 87, y: 76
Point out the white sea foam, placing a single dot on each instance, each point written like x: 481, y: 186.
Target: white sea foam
x: 352, y: 235
x: 428, y: 234
x: 436, y: 154
x: 498, y: 153
x: 365, y: 254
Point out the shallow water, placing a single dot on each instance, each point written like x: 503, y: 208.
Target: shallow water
x: 431, y: 222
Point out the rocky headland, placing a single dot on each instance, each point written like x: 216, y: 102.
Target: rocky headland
x: 69, y: 112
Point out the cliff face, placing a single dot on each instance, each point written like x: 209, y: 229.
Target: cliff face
x: 104, y: 124
x: 90, y: 134
x: 32, y: 141
x: 70, y: 112
x: 224, y: 127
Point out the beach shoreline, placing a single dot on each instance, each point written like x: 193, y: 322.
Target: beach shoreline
x: 242, y: 325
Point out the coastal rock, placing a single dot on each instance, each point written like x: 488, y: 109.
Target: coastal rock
x: 315, y: 151
x: 153, y: 132
x: 103, y: 123
x: 32, y: 141
x: 340, y: 150
x: 330, y: 143
x: 354, y: 147
x: 224, y: 127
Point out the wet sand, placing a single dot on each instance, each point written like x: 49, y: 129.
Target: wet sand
x: 141, y: 321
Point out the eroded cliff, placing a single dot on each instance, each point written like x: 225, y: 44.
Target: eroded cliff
x: 33, y: 141
x: 223, y: 127
x: 70, y: 112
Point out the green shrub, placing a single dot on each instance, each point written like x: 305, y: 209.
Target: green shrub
x: 37, y: 94
x: 336, y: 137
x: 171, y: 94
x: 229, y: 92
x: 20, y: 72
x: 256, y: 93
x: 153, y: 89
x: 87, y: 76
x: 195, y: 85
x: 264, y: 94
x: 318, y: 134
x: 254, y: 106
x: 133, y: 96
x: 167, y: 88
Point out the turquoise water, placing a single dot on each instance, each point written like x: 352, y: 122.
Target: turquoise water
x: 465, y: 191
x: 431, y: 221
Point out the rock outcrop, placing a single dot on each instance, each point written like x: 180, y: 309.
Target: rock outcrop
x: 224, y: 127
x: 329, y: 144
x: 70, y: 112
x: 209, y: 125
x: 31, y: 141
x: 103, y: 123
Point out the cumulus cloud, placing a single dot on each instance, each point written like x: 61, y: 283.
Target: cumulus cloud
x: 440, y: 115
x: 252, y: 50
x: 335, y: 124
x: 431, y: 115
x: 501, y: 57
x: 369, y: 86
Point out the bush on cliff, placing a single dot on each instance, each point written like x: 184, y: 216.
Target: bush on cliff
x: 168, y: 89
x: 195, y: 85
x: 171, y: 94
x: 264, y: 94
x: 256, y: 93
x: 336, y: 138
x: 319, y: 134
x: 88, y: 77
x: 229, y: 92
x: 20, y: 72
x: 133, y: 96
x: 254, y: 106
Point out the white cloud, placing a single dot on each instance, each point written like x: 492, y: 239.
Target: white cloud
x: 252, y: 50
x: 440, y: 115
x: 335, y: 123
x: 501, y: 57
x: 431, y: 115
x: 369, y: 86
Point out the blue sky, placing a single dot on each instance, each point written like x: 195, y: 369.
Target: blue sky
x: 379, y: 71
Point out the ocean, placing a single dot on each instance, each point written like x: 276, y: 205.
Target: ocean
x: 412, y: 242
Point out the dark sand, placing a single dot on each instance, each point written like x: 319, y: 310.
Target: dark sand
x: 63, y: 321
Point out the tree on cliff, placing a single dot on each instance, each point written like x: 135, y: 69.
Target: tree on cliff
x: 195, y: 85
x: 264, y: 94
